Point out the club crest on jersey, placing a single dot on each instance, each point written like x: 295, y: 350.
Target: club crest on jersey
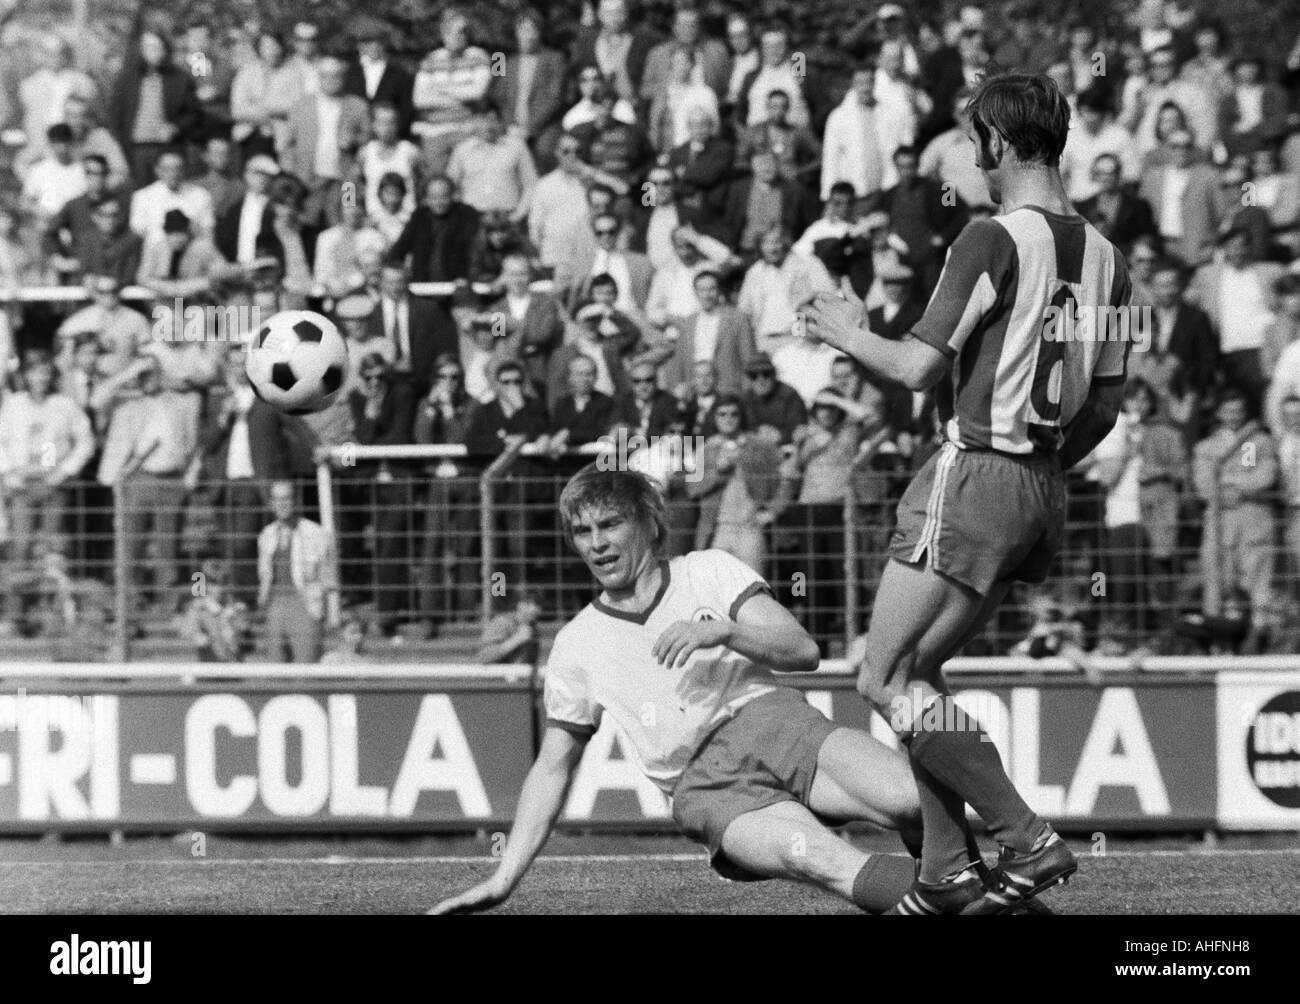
x: 706, y: 614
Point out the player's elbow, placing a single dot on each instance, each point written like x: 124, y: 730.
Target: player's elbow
x: 806, y: 657
x: 923, y: 367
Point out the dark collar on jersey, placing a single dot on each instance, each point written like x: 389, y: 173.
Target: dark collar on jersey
x: 644, y: 615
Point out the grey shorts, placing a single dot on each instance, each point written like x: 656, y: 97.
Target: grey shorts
x: 982, y: 517
x: 766, y: 754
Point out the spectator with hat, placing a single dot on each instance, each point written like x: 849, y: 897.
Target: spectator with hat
x: 768, y: 402
x: 374, y: 76
x: 179, y: 263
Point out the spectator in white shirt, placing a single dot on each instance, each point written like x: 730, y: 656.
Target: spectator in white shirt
x: 776, y: 286
x: 388, y: 153
x: 1092, y: 134
x: 149, y: 205
x: 45, y: 439
x: 900, y: 104
x: 853, y: 147
x: 672, y: 291
x: 1238, y: 294
x: 43, y: 94
x: 555, y: 229
x: 57, y: 179
x: 493, y: 169
x: 776, y: 73
x: 348, y: 253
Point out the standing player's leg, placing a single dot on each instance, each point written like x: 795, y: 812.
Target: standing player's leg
x: 920, y: 618
x: 785, y: 840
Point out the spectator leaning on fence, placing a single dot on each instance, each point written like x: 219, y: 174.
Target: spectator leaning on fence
x: 45, y: 439
x: 1234, y: 473
x: 512, y: 637
x: 152, y: 439
x: 297, y: 588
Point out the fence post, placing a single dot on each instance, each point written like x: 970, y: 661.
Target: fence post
x: 850, y: 564
x: 487, y: 525
x: 121, y: 649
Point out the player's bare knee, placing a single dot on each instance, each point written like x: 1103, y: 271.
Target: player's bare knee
x: 882, y: 679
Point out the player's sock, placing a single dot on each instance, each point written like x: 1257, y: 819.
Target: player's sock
x: 960, y: 755
x: 943, y: 815
x: 883, y: 881
x: 912, y: 839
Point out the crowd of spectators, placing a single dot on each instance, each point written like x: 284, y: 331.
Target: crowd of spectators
x: 626, y: 230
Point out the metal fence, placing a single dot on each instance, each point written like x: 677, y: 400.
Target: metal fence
x: 428, y: 541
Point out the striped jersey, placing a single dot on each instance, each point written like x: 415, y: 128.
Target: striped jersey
x: 601, y: 663
x: 1032, y: 309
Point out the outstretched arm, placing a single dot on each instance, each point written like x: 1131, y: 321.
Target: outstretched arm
x: 839, y: 322
x: 540, y: 803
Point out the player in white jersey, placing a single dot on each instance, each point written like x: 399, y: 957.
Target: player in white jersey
x: 1023, y: 396
x: 681, y: 654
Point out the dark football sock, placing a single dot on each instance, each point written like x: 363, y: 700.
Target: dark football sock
x: 943, y: 815
x: 959, y: 754
x: 882, y: 882
x: 912, y: 839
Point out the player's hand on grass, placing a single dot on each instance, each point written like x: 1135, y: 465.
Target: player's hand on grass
x: 681, y: 638
x: 483, y: 896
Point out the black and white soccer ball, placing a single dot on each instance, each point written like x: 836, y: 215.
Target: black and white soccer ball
x: 297, y: 361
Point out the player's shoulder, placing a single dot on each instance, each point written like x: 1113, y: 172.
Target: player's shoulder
x: 710, y: 560
x: 986, y: 240
x: 583, y: 631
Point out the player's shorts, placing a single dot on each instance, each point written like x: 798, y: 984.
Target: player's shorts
x: 982, y: 517
x: 766, y: 754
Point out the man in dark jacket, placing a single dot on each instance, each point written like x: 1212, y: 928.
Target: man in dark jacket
x: 439, y: 235
x: 770, y: 402
x: 374, y: 77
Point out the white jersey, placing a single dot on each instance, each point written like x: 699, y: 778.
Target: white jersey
x: 601, y: 662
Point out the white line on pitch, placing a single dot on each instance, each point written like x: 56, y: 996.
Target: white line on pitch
x: 590, y: 858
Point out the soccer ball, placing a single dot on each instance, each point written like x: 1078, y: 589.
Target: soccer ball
x: 297, y: 362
